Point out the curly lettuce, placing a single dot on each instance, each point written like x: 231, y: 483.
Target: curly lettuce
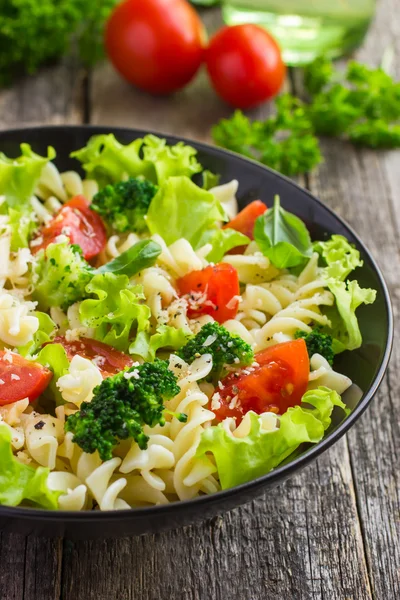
x: 114, y: 310
x: 181, y: 209
x: 166, y: 337
x: 339, y: 259
x: 107, y: 161
x: 20, y: 482
x: 240, y: 460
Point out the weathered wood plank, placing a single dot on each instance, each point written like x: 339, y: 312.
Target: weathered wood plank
x: 298, y: 542
x: 364, y: 187
x: 52, y: 97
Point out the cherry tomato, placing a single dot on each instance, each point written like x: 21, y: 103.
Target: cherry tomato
x: 81, y: 224
x: 212, y: 291
x: 21, y: 378
x: 245, y: 220
x: 278, y: 382
x: 109, y: 360
x: 155, y: 44
x: 245, y: 65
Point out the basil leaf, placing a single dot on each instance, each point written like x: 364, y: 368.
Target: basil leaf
x: 282, y: 237
x: 140, y: 256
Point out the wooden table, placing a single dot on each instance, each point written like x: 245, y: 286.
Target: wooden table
x: 330, y: 533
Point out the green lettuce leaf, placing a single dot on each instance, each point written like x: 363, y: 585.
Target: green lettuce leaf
x: 19, y: 176
x: 138, y: 257
x: 115, y: 309
x: 146, y: 345
x: 181, y: 209
x: 54, y: 357
x: 108, y: 161
x: 240, y: 460
x: 222, y: 240
x: 46, y: 331
x: 339, y: 256
x: 345, y: 329
x: 20, y: 482
x: 170, y: 161
x: 22, y: 225
x: 282, y: 237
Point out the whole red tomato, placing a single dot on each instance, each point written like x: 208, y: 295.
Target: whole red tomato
x: 158, y: 45
x: 245, y: 65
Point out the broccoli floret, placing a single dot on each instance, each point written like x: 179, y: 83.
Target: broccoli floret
x: 121, y: 405
x: 124, y: 204
x: 60, y: 275
x: 225, y: 348
x: 317, y: 342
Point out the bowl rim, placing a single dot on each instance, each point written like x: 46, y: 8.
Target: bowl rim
x: 280, y: 473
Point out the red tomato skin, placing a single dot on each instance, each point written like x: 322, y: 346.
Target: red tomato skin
x: 246, y: 218
x: 115, y: 361
x: 220, y: 285
x: 245, y: 65
x: 85, y: 228
x: 33, y: 378
x: 157, y: 45
x: 279, y: 382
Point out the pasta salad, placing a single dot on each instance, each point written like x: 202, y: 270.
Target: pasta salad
x: 156, y: 343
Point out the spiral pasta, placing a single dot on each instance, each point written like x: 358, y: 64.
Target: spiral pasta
x: 191, y: 474
x: 17, y: 323
x: 322, y: 374
x: 78, y: 384
x: 43, y: 433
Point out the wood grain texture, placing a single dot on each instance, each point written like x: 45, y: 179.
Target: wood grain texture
x: 364, y: 187
x: 327, y: 534
x: 292, y: 543
x: 53, y: 96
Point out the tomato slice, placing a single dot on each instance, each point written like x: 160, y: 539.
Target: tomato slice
x: 109, y: 360
x: 212, y: 291
x: 82, y: 225
x: 21, y: 378
x: 245, y: 220
x: 277, y: 381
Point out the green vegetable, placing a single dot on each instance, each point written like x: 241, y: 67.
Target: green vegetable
x: 108, y: 161
x: 60, y: 276
x: 282, y: 237
x: 209, y: 179
x: 138, y: 257
x: 22, y: 224
x: 123, y: 205
x: 20, y: 482
x: 317, y: 342
x: 297, y: 151
x: 121, y: 405
x: 225, y: 348
x: 146, y: 345
x: 361, y: 104
x: 34, y: 33
x: 222, y: 240
x: 46, y: 331
x: 19, y: 176
x: 340, y: 257
x: 242, y: 459
x: 345, y: 328
x: 114, y: 310
x: 54, y: 357
x: 181, y: 209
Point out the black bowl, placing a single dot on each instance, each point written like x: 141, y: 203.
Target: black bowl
x: 366, y: 366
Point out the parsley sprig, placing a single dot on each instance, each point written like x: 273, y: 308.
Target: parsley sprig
x: 361, y: 105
